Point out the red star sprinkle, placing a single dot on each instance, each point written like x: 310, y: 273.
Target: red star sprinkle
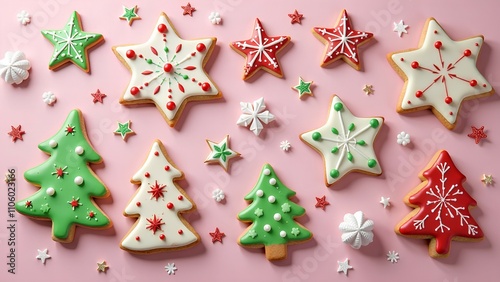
x: 155, y: 224
x: 98, y: 96
x: 28, y: 204
x: 477, y: 134
x: 217, y: 235
x: 16, y: 133
x: 296, y: 17
x: 157, y: 190
x: 188, y: 10
x: 342, y: 42
x: 321, y: 202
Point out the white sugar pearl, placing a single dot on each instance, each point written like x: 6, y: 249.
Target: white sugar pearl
x: 260, y: 193
x: 50, y: 191
x: 53, y: 143
x: 78, y: 180
x: 267, y: 171
x: 283, y: 234
x: 272, y: 181
x: 271, y: 199
x: 277, y: 216
x: 79, y: 150
x: 267, y: 227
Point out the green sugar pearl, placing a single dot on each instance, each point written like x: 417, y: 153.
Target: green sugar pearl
x: 149, y: 61
x: 338, y: 106
x: 374, y: 123
x: 316, y: 136
x: 334, y: 173
x: 372, y: 163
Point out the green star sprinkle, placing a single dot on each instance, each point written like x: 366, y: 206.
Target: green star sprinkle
x: 258, y: 212
x: 124, y: 129
x: 304, y: 87
x: 45, y: 208
x: 285, y: 207
x: 295, y: 231
x: 252, y: 233
x: 130, y: 14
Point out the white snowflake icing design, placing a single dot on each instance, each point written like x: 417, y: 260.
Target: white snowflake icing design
x: 393, y: 256
x: 218, y: 195
x: 356, y: 231
x: 170, y: 268
x: 215, y: 18
x: 445, y: 201
x: 285, y: 145
x: 14, y: 67
x: 24, y: 17
x: 49, y: 98
x: 403, y: 138
x: 254, y: 115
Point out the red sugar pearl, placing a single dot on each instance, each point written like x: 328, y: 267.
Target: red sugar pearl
x: 130, y: 54
x: 134, y: 90
x: 167, y: 168
x: 146, y: 174
x: 171, y: 105
x: 162, y: 28
x: 168, y: 67
x: 467, y: 53
x: 473, y: 82
x: 170, y: 206
x: 448, y: 100
x: 137, y: 238
x: 419, y: 94
x: 138, y: 204
x: 180, y: 198
x: 91, y: 214
x: 180, y: 231
x: 205, y: 86
x: 201, y: 47
x: 156, y: 154
x: 162, y: 236
x: 438, y: 44
x: 415, y: 65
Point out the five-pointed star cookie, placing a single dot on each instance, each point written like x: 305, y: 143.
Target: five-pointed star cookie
x: 130, y: 14
x: 168, y: 71
x: 342, y: 42
x: 71, y: 44
x: 304, y: 87
x: 440, y: 74
x: 345, y: 142
x: 261, y: 51
x: 124, y: 129
x: 221, y: 153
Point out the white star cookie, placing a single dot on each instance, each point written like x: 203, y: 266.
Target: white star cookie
x: 168, y: 71
x: 346, y: 142
x: 440, y: 74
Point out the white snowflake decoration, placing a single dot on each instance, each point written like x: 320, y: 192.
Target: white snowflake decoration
x: 49, y: 98
x: 24, y: 17
x: 218, y: 195
x: 403, y: 138
x: 400, y: 28
x: 356, y: 231
x: 215, y: 18
x: 393, y: 256
x: 254, y: 115
x: 285, y: 145
x: 14, y: 67
x: 170, y: 268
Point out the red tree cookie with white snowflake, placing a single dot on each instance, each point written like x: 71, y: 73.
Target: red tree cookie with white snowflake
x: 441, y: 208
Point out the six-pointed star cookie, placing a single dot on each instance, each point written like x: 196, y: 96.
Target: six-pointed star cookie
x: 342, y: 42
x: 221, y: 153
x: 346, y: 142
x: 261, y: 51
x: 168, y: 71
x: 440, y: 74
x: 71, y: 44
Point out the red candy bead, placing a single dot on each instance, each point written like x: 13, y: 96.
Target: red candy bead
x: 180, y: 198
x: 180, y: 231
x: 167, y: 168
x: 137, y: 238
x: 171, y: 105
x: 134, y: 90
x: 473, y: 82
x: 138, y: 204
x: 201, y: 47
x: 415, y: 65
x: 130, y: 54
x: 170, y: 206
x: 157, y: 154
x: 419, y: 94
x: 162, y: 28
x: 146, y: 174
x: 205, y: 86
x: 162, y: 236
x: 91, y: 214
x: 168, y: 67
x: 467, y: 53
x: 438, y: 44
x: 448, y: 100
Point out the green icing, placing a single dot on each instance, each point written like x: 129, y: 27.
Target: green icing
x: 222, y: 152
x: 288, y: 210
x: 71, y: 43
x: 58, y: 206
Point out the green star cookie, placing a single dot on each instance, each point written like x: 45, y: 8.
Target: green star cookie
x: 304, y: 87
x: 124, y: 129
x: 130, y: 14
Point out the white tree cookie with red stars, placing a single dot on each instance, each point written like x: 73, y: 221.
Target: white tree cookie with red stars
x: 168, y: 71
x: 440, y: 74
x: 158, y: 205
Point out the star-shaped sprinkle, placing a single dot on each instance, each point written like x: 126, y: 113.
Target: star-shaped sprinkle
x: 16, y: 133
x: 130, y: 14
x: 188, y: 9
x: 254, y: 114
x: 477, y: 134
x: 368, y: 89
x: 342, y: 42
x: 70, y: 129
x: 124, y: 129
x: 296, y: 17
x: 45, y: 208
x: 42, y: 255
x: 258, y: 212
x: 393, y: 256
x: 385, y: 202
x: 217, y: 235
x: 344, y: 266
x: 261, y: 51
x: 321, y: 202
x: 71, y: 44
x: 285, y: 145
x: 170, y: 268
x: 304, y: 87
x: 400, y: 28
x: 221, y: 153
x: 487, y: 179
x: 102, y: 266
x: 98, y: 96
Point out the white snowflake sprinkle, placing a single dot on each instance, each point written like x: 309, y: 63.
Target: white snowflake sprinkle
x: 218, y: 195
x: 49, y: 98
x: 392, y: 256
x: 285, y: 145
x: 403, y: 138
x: 254, y: 115
x: 24, y: 17
x: 400, y: 28
x: 215, y: 18
x: 170, y: 268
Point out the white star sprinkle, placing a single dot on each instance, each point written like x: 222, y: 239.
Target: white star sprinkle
x: 385, y: 202
x: 400, y: 28
x: 487, y: 179
x: 285, y: 145
x: 42, y: 255
x: 344, y: 266
x: 392, y: 256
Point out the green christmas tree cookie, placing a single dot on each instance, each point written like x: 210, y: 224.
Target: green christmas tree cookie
x: 67, y: 184
x: 272, y: 213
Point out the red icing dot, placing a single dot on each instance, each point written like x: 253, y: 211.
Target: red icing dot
x: 467, y: 53
x: 199, y: 83
x: 180, y: 198
x: 419, y: 94
x: 91, y: 214
x: 438, y: 44
x: 162, y: 28
x: 156, y: 154
x: 402, y: 59
x: 167, y: 168
x: 134, y: 90
x: 415, y: 65
x: 170, y: 206
x: 146, y: 83
x: 201, y: 47
x: 140, y: 56
x: 451, y: 113
x: 180, y: 231
x: 138, y: 204
x: 435, y: 31
x: 409, y: 102
x: 448, y: 100
x: 168, y: 67
x: 137, y: 238
x: 193, y: 79
x: 477, y: 44
x: 473, y: 82
x: 140, y: 87
x: 130, y: 54
x: 484, y: 85
x: 146, y: 174
x: 171, y: 105
x: 205, y: 86
x: 170, y: 90
x: 193, y: 54
x: 162, y: 236
x: 170, y: 96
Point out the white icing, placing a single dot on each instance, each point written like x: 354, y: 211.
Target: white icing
x: 272, y: 181
x: 215, y: 18
x: 267, y: 227
x: 253, y: 114
x: 361, y: 153
x: 285, y: 145
x: 50, y: 191
x: 49, y: 98
x: 181, y: 60
x: 155, y: 167
x: 283, y: 233
x: 277, y: 216
x: 218, y: 195
x: 260, y: 193
x: 403, y: 138
x: 79, y: 150
x: 53, y: 143
x: 427, y: 56
x: 78, y: 180
x: 211, y: 158
x: 271, y: 199
x: 14, y: 67
x: 356, y: 231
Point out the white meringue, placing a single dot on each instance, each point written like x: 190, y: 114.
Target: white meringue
x: 14, y: 67
x: 356, y: 231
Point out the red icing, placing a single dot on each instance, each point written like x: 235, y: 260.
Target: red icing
x: 137, y: 238
x: 157, y: 89
x: 473, y: 82
x: 134, y: 90
x: 91, y: 214
x: 178, y: 48
x: 157, y: 154
x: 181, y: 88
x: 28, y: 204
x: 438, y: 44
x: 419, y: 94
x: 448, y: 100
x: 167, y: 168
x: 146, y: 174
x: 74, y: 203
x: 477, y: 134
x: 157, y: 190
x: 162, y: 28
x: 415, y: 65
x: 154, y: 50
x: 200, y: 47
x: 154, y: 223
x: 130, y: 54
x: 138, y: 204
x: 180, y: 232
x: 467, y: 53
x: 442, y: 206
x: 171, y: 105
x: 162, y: 236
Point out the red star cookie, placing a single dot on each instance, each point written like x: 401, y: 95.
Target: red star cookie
x: 217, y: 235
x: 477, y: 134
x: 342, y: 42
x: 296, y: 17
x: 16, y: 133
x: 188, y: 9
x: 261, y: 51
x: 321, y: 202
x: 98, y: 96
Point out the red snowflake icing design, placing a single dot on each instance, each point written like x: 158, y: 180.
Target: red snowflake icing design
x: 154, y: 224
x: 157, y: 190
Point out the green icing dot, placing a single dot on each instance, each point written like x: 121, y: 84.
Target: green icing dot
x: 149, y: 61
x: 334, y: 173
x: 338, y: 106
x: 166, y: 49
x: 374, y: 123
x: 185, y: 76
x: 351, y: 126
x: 316, y: 136
x: 349, y: 156
x: 335, y: 150
x: 372, y: 163
x: 335, y: 131
x: 361, y: 142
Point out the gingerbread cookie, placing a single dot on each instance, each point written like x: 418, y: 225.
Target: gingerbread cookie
x: 441, y: 208
x: 440, y: 74
x: 67, y: 184
x: 168, y: 71
x: 158, y: 205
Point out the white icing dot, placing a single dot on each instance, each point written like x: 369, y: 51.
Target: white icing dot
x: 267, y: 227
x: 272, y: 181
x: 78, y: 180
x: 277, y: 216
x: 79, y: 150
x: 53, y: 143
x: 283, y: 234
x: 260, y: 193
x: 50, y: 191
x: 271, y: 199
x: 267, y: 171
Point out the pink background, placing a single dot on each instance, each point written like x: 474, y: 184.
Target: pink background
x: 301, y: 168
